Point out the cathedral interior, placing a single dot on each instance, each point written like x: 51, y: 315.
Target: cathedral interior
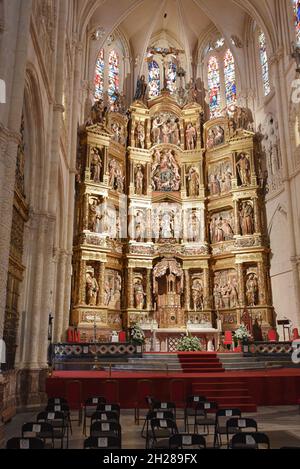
x: 149, y: 169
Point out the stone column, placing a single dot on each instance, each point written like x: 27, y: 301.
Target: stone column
x: 237, y: 227
x: 101, y: 281
x: 15, y: 47
x: 187, y: 290
x: 59, y: 306
x: 130, y: 288
x: 148, y: 291
x: 241, y: 284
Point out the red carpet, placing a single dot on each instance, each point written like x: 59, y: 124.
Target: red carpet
x: 193, y: 362
x: 246, y: 389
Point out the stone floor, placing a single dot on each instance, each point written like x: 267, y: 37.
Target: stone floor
x: 281, y: 423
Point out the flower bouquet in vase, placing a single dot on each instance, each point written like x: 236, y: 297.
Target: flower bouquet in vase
x: 242, y: 337
x: 137, y: 337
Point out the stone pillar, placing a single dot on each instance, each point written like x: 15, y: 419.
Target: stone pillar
x: 187, y: 290
x: 15, y: 46
x: 237, y: 226
x: 241, y: 284
x: 59, y: 307
x: 130, y: 288
x: 101, y: 281
x: 257, y: 219
x: 148, y: 290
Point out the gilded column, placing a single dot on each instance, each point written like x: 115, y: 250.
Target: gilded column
x: 236, y: 217
x: 148, y: 291
x: 241, y: 284
x: 82, y: 286
x: 130, y: 288
x: 206, y: 288
x: 187, y: 290
x: 257, y: 223
x: 262, y: 293
x: 86, y: 212
x: 101, y: 282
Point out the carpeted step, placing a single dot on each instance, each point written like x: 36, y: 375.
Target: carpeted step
x: 203, y: 370
x: 201, y: 364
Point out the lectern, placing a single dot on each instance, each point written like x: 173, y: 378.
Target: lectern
x: 285, y: 323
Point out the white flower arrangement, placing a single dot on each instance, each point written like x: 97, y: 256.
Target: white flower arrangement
x: 137, y: 335
x: 242, y: 334
x: 189, y: 343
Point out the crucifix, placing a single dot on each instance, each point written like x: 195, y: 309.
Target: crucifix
x: 164, y: 52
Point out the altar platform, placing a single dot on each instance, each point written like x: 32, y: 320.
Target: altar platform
x: 243, y: 389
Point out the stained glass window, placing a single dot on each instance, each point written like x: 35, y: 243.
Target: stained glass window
x: 99, y: 76
x: 230, y: 82
x: 113, y: 75
x: 171, y: 77
x: 297, y: 19
x: 264, y: 62
x: 214, y: 87
x: 154, y: 79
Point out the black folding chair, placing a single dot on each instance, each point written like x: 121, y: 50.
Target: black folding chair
x: 250, y: 440
x: 187, y: 440
x: 61, y: 408
x: 222, y: 416
x: 190, y: 408
x: 165, y: 405
x: 239, y: 424
x: 161, y: 431
x: 150, y: 401
x: 205, y: 416
x: 90, y: 407
x: 108, y: 415
x: 57, y: 401
x: 59, y: 423
x: 109, y: 408
x: 42, y: 430
x: 107, y: 442
x: 155, y: 414
x: 106, y: 428
x: 25, y: 443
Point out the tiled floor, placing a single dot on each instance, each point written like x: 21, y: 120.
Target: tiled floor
x: 282, y: 424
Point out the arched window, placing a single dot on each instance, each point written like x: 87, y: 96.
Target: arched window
x: 154, y: 79
x: 113, y: 75
x: 296, y: 4
x: 99, y: 75
x: 264, y: 62
x: 230, y: 81
x: 214, y: 86
x: 171, y: 77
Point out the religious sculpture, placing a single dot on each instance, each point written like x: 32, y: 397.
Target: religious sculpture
x: 141, y: 89
x: 140, y: 135
x: 116, y: 178
x: 225, y: 290
x: 165, y: 129
x: 215, y: 137
x: 98, y: 113
x: 221, y: 227
x: 220, y: 178
x: 96, y: 164
x: 139, y: 294
x: 247, y: 218
x: 165, y: 171
x: 243, y: 168
x: 139, y: 225
x: 194, y: 227
x: 193, y: 182
x: 93, y: 216
x: 252, y: 290
x: 166, y: 225
x: 191, y: 136
x: 92, y: 288
x: 197, y: 295
x: 139, y: 179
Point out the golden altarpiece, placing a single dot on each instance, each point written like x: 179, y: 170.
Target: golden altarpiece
x: 170, y: 224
